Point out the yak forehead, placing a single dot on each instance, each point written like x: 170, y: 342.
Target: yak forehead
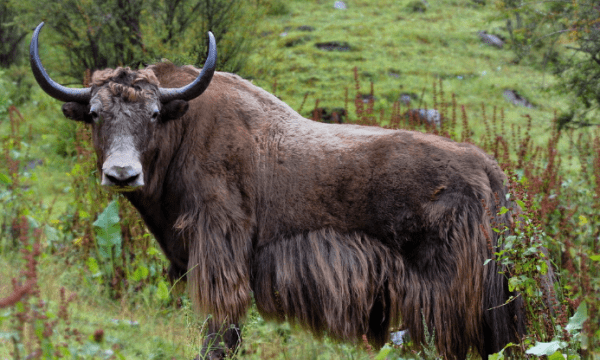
x: 124, y: 85
x: 124, y: 76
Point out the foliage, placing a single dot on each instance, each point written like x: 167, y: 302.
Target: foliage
x: 533, y: 28
x: 230, y: 21
x: 539, y: 27
x: 11, y: 35
x: 581, y: 70
x: 37, y: 328
x: 100, y: 34
x: 5, y: 100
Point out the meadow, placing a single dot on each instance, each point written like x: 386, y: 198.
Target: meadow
x: 81, y: 277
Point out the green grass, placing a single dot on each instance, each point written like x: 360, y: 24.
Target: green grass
x: 138, y: 329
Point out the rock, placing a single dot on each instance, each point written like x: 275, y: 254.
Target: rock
x: 327, y: 115
x: 305, y: 28
x: 405, y: 99
x: 515, y: 98
x: 294, y: 40
x: 340, y: 5
x: 33, y: 164
x: 426, y: 116
x: 334, y: 46
x: 367, y: 98
x: 491, y: 39
x: 417, y: 6
x: 400, y: 337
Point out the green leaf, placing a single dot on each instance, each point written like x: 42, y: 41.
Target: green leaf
x: 556, y: 356
x: 33, y: 222
x: 5, y: 179
x: 140, y: 273
x: 486, y: 261
x: 109, y: 216
x: 513, y: 282
x: 162, y: 291
x: 595, y: 257
x: 108, y: 231
x: 503, y: 211
x: 152, y: 251
x: 542, y: 348
x: 8, y: 336
x: 384, y: 352
x: 577, y: 320
x: 52, y: 235
x: 92, y: 265
x: 496, y: 356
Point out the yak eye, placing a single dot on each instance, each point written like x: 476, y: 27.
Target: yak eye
x: 155, y: 113
x: 93, y: 114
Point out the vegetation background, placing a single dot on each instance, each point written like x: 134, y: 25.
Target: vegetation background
x: 82, y: 278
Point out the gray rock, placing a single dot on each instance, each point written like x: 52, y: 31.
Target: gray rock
x: 305, y: 28
x: 334, y: 46
x: 32, y: 164
x: 405, y: 99
x: 428, y: 116
x: 339, y: 5
x: 491, y: 39
x: 515, y: 98
x: 400, y: 337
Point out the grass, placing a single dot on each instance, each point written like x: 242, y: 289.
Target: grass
x: 135, y: 329
x: 126, y: 330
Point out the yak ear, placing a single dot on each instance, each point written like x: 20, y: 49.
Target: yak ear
x: 77, y: 111
x: 173, y: 110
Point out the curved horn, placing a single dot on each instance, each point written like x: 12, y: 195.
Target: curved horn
x: 196, y: 87
x: 50, y: 86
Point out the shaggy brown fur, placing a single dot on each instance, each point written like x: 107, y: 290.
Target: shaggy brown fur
x: 122, y: 81
x: 346, y: 230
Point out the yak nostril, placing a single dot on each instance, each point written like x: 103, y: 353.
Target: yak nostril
x: 122, y: 173
x: 122, y: 180
x: 127, y: 176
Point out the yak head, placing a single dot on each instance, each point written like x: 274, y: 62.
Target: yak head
x: 124, y: 108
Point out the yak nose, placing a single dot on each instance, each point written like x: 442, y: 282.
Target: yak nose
x: 128, y: 176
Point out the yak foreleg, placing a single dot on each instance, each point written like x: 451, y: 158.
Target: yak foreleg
x: 221, y: 342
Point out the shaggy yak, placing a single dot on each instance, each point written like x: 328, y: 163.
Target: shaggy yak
x: 346, y: 230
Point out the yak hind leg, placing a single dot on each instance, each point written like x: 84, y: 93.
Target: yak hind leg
x: 379, y: 323
x: 221, y: 342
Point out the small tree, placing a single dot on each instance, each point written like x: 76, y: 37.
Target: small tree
x: 108, y: 33
x: 533, y: 29
x: 185, y: 23
x: 536, y: 27
x: 11, y: 35
x: 580, y: 72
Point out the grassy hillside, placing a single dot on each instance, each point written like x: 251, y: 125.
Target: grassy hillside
x: 400, y: 51
x: 391, y: 46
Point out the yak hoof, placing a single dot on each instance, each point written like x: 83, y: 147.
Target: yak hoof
x: 220, y: 345
x: 214, y: 354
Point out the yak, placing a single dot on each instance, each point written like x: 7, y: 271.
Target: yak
x: 346, y: 230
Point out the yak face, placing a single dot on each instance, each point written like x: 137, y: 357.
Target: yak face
x: 125, y: 109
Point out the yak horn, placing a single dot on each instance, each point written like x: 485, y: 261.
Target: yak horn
x: 196, y: 87
x: 50, y: 86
